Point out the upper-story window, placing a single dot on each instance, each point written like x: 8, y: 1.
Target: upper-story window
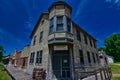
x: 60, y: 23
x: 85, y: 39
x: 34, y: 40
x: 51, y: 29
x: 81, y: 57
x: 42, y: 22
x: 32, y: 58
x: 78, y: 35
x: 39, y: 57
x: 41, y: 36
x: 68, y: 25
x: 90, y: 42
x: 94, y: 44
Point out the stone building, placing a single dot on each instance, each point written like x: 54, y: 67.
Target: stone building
x: 17, y: 59
x: 59, y: 45
x: 24, y: 57
x: 12, y: 58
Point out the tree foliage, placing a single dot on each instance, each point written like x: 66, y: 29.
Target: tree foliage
x: 112, y: 44
x: 102, y: 48
x: 1, y: 53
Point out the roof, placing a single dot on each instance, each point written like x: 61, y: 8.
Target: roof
x: 59, y: 3
x: 77, y: 26
x: 36, y: 26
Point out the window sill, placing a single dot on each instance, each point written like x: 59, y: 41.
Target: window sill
x: 61, y: 32
x: 38, y: 64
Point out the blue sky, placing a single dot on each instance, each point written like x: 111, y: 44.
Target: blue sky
x: 100, y: 18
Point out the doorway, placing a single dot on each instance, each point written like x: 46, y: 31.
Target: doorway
x: 61, y: 65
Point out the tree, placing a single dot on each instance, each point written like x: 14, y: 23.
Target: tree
x: 102, y: 48
x: 1, y: 53
x: 112, y: 44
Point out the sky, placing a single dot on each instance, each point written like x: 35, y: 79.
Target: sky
x: 100, y: 18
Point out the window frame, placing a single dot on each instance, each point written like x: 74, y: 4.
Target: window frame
x: 78, y: 35
x: 81, y: 55
x: 41, y: 36
x: 39, y: 57
x: 93, y: 55
x: 32, y: 58
x: 85, y: 39
x: 69, y: 25
x: 88, y: 56
x: 51, y: 25
x: 34, y: 40
x: 59, y: 23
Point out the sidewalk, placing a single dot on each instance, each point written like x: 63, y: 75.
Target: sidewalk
x: 18, y: 74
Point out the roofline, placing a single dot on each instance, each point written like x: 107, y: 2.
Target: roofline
x: 83, y: 30
x: 38, y: 21
x: 59, y: 3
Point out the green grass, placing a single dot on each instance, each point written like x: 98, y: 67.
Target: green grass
x: 115, y: 67
x: 3, y: 74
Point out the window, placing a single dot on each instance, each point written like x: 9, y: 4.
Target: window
x: 32, y: 58
x: 41, y: 36
x: 94, y: 45
x: 34, y: 40
x: 60, y: 27
x: 51, y: 29
x: 68, y: 25
x: 97, y: 58
x: 51, y: 25
x: 39, y: 57
x: 42, y: 22
x: 78, y: 36
x: 90, y: 43
x: 85, y: 39
x: 51, y: 21
x: 88, y: 55
x: 93, y: 57
x: 81, y: 57
x: 60, y: 23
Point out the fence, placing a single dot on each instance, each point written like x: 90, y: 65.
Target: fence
x: 103, y: 73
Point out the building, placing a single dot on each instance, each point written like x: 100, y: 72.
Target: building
x: 24, y: 57
x: 17, y: 59
x: 60, y: 46
x: 12, y: 58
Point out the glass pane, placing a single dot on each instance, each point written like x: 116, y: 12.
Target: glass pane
x: 60, y: 27
x: 51, y: 29
x: 60, y: 20
x: 68, y: 28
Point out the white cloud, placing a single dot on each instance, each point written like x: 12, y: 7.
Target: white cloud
x: 109, y: 1
x: 113, y: 3
x: 80, y: 7
x: 116, y: 1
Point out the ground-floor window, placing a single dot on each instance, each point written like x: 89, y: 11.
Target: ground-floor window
x: 32, y: 58
x: 39, y: 57
x: 88, y: 55
x: 93, y: 57
x: 81, y: 57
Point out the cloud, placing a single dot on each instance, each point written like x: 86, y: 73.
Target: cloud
x: 113, y: 3
x: 109, y: 1
x: 80, y: 7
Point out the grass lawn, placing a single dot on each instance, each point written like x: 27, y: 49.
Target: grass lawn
x: 115, y: 67
x: 3, y: 74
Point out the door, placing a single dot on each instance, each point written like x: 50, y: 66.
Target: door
x: 61, y: 65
